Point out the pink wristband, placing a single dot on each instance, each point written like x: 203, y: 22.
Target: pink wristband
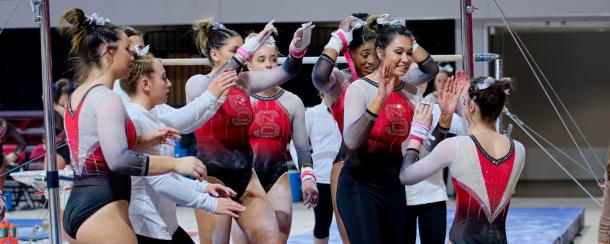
x: 244, y: 53
x: 347, y: 56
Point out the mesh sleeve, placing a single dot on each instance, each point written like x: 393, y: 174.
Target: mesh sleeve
x: 413, y: 171
x: 258, y: 81
x: 425, y: 71
x: 111, y: 118
x: 358, y: 121
x: 192, y: 115
x: 300, y: 137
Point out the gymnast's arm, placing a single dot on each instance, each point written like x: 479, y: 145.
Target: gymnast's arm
x: 299, y: 136
x: 183, y: 192
x: 425, y: 70
x: 258, y: 81
x: 111, y: 117
x: 414, y: 170
x: 359, y: 119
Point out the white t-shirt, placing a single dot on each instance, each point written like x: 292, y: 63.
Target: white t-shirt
x: 433, y: 188
x: 325, y: 140
x: 152, y: 209
x: 161, y: 108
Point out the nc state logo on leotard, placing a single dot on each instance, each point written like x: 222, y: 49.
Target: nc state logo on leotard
x: 266, y: 121
x: 396, y: 114
x: 243, y: 115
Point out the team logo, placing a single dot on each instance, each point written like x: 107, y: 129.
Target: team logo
x: 397, y: 115
x: 241, y: 106
x: 267, y: 125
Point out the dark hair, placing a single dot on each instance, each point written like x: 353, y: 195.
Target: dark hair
x: 363, y: 34
x: 87, y: 37
x: 490, y: 100
x: 209, y: 38
x: 142, y: 66
x: 386, y: 33
x: 130, y: 31
x: 61, y: 87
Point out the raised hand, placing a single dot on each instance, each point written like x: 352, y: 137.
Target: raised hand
x: 267, y: 32
x: 252, y: 44
x: 449, y: 97
x: 222, y: 82
x: 300, y: 40
x: 423, y: 114
x: 386, y: 81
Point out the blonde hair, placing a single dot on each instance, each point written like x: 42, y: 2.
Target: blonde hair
x: 142, y: 66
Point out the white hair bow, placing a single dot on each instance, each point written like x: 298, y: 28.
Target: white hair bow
x: 97, y: 20
x: 141, y: 51
x: 216, y: 25
x: 385, y: 19
x: 447, y: 68
x: 487, y: 83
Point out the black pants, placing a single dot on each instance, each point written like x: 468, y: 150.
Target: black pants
x: 432, y: 221
x: 323, y: 212
x: 179, y: 237
x: 372, y: 208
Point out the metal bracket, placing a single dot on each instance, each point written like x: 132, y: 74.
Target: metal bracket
x: 36, y: 6
x: 470, y: 9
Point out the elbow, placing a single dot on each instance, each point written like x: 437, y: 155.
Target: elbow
x: 403, y: 178
x: 351, y: 145
x: 320, y: 81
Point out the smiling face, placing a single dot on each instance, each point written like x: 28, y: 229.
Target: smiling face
x: 364, y: 59
x: 399, y: 53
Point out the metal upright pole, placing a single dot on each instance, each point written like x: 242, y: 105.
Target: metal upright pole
x: 466, y: 10
x: 498, y: 67
x: 498, y: 74
x: 49, y: 122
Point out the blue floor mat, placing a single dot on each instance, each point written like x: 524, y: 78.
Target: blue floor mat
x: 524, y: 225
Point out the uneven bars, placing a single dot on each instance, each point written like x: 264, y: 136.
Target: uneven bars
x: 306, y: 60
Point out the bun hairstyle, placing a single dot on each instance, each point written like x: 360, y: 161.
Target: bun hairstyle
x: 62, y: 86
x: 87, y: 37
x: 211, y: 35
x: 386, y: 32
x: 142, y: 66
x: 130, y: 31
x: 363, y: 34
x: 490, y: 95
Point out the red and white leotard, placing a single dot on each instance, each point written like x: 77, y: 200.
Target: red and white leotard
x: 484, y: 186
x: 99, y: 134
x: 277, y: 120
